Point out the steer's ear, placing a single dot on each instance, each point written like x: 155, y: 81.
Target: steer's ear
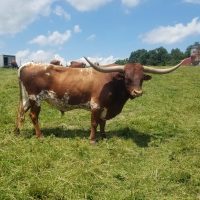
x: 147, y: 77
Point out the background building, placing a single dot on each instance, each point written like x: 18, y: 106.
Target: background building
x: 195, y: 51
x: 7, y: 60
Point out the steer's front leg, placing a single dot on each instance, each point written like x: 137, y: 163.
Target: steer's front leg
x: 95, y: 118
x: 102, y: 124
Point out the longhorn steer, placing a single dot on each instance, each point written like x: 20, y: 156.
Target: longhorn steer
x: 55, y: 62
x: 75, y: 64
x: 102, y: 90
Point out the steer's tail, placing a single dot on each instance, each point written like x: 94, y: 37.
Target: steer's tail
x: 23, y: 107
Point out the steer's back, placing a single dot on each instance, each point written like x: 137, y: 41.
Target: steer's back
x: 37, y: 77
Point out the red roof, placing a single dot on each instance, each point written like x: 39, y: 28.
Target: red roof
x: 187, y: 61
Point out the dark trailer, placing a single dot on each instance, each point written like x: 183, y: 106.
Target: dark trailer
x: 7, y: 60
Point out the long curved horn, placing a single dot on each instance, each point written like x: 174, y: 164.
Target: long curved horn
x: 162, y: 71
x: 118, y: 68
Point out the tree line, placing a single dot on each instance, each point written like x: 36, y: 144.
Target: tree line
x: 159, y: 56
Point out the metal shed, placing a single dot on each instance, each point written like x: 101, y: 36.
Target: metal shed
x: 6, y: 60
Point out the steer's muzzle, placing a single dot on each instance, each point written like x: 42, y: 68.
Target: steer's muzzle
x: 136, y: 93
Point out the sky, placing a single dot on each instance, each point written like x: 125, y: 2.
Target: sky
x: 103, y: 30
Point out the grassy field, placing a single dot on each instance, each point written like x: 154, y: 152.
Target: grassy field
x: 152, y: 151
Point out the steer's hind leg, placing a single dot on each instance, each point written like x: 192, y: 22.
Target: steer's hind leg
x: 34, y: 113
x: 20, y: 117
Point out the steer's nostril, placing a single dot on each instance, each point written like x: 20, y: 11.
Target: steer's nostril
x: 138, y: 92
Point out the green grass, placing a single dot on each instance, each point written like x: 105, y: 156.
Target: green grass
x: 152, y: 151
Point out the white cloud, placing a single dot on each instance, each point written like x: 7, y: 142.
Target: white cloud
x: 53, y: 39
x: 59, y: 11
x: 41, y: 56
x: 106, y: 60
x: 24, y: 56
x: 101, y: 60
x: 91, y: 37
x: 60, y: 58
x: 87, y: 5
x: 77, y: 29
x: 172, y: 34
x: 21, y: 56
x: 130, y: 3
x: 17, y: 15
x: 192, y: 1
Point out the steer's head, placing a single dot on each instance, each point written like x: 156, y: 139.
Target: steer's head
x: 134, y: 74
x: 134, y: 77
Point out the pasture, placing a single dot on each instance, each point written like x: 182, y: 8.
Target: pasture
x: 152, y: 150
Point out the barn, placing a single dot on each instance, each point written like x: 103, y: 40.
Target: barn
x: 7, y: 60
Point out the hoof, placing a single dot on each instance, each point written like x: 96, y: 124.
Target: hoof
x: 16, y: 131
x: 103, y: 136
x: 92, y: 142
x: 39, y: 137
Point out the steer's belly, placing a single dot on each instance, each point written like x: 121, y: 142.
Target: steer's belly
x: 62, y: 104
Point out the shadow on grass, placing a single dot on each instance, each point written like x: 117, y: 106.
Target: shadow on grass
x: 140, y: 139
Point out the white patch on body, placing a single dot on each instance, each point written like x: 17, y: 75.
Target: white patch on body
x: 94, y: 105
x: 61, y: 104
x: 48, y: 74
x: 104, y: 113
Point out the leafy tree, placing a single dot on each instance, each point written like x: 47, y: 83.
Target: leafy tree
x: 121, y: 62
x: 140, y: 56
x: 152, y: 59
x: 176, y: 56
x: 162, y: 56
x: 188, y: 49
x: 157, y: 56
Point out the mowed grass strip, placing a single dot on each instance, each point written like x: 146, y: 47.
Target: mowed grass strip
x: 152, y: 150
